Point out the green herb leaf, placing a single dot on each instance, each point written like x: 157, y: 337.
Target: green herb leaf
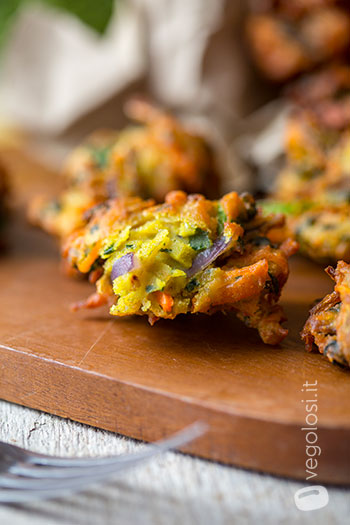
x: 192, y: 285
x: 288, y: 208
x: 101, y: 156
x: 154, y: 288
x: 200, y: 240
x: 8, y: 12
x: 109, y: 250
x: 222, y: 218
x: 94, y: 13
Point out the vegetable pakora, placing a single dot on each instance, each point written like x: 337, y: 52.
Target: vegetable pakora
x: 147, y: 161
x: 328, y: 327
x: 314, y: 186
x: 322, y: 231
x: 289, y: 37
x: 317, y: 142
x: 189, y: 254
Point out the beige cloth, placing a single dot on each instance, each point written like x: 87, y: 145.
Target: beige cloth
x: 60, y: 80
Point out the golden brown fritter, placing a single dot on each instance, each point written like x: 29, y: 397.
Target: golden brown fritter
x: 187, y: 255
x: 326, y: 94
x: 147, y: 160
x: 321, y: 230
x: 323, y: 233
x: 328, y: 327
x: 288, y: 38
x: 317, y: 141
x: 313, y: 189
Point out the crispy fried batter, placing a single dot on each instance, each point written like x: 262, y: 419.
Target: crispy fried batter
x: 317, y: 141
x: 314, y: 186
x: 288, y: 37
x: 187, y: 255
x: 328, y: 327
x: 148, y: 160
x: 322, y: 231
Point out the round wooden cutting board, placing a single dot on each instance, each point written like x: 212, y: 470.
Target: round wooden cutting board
x: 146, y: 382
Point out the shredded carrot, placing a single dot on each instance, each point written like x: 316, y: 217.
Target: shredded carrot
x: 85, y: 265
x: 165, y: 300
x: 95, y: 300
x: 95, y: 275
x: 232, y: 205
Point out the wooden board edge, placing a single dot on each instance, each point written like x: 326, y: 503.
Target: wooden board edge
x: 275, y: 448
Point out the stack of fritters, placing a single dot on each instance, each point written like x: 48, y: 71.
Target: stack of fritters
x: 314, y: 186
x: 317, y: 143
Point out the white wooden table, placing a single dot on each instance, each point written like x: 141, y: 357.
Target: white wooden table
x: 172, y: 489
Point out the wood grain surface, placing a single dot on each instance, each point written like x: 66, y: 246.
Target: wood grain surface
x: 124, y: 376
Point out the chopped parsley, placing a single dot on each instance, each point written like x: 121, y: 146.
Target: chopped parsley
x: 200, y: 240
x: 109, y: 250
x: 288, y: 208
x: 222, y: 218
x: 192, y: 285
x: 154, y: 287
x: 100, y: 156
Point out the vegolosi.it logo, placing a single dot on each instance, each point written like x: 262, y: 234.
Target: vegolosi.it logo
x: 312, y: 497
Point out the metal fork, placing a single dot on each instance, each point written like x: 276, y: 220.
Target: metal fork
x: 26, y: 476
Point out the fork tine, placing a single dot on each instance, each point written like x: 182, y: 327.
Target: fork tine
x: 44, y: 470
x: 23, y: 496
x: 55, y: 479
x: 195, y: 430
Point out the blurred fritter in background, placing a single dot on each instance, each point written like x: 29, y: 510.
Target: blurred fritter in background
x: 261, y: 89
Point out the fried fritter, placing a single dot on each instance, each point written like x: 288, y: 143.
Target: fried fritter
x: 187, y: 255
x: 328, y: 327
x: 147, y: 161
x: 326, y: 94
x: 322, y: 231
x: 313, y: 189
x: 306, y: 148
x: 288, y: 38
x: 323, y: 234
x: 317, y: 143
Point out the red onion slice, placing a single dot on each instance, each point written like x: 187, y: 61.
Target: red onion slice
x: 205, y: 258
x: 123, y: 265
